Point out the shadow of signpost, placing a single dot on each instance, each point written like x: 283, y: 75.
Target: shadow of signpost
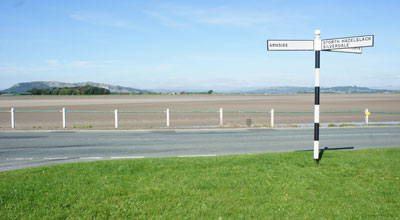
x: 321, y: 151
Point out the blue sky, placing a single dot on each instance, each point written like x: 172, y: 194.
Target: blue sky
x: 219, y: 45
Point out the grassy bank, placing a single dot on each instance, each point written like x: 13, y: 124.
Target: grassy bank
x: 361, y: 184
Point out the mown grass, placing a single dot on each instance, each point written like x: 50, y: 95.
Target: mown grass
x: 343, y: 125
x: 353, y: 184
x: 358, y: 125
x: 348, y: 125
x: 384, y: 124
x: 82, y: 126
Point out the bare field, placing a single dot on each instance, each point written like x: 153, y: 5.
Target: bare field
x: 298, y: 103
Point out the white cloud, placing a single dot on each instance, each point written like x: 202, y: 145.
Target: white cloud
x: 223, y: 16
x: 11, y: 68
x: 89, y: 64
x: 52, y: 62
x: 165, y: 20
x: 169, y: 15
x: 163, y: 67
x: 99, y: 19
x: 84, y: 64
x: 55, y: 65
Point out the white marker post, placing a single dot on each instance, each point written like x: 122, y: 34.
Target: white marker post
x: 64, y: 118
x: 272, y: 118
x: 116, y: 118
x: 221, y: 117
x: 167, y: 111
x: 12, y: 117
x: 367, y: 113
x: 344, y: 45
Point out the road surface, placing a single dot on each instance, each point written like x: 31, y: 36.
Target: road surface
x: 21, y: 149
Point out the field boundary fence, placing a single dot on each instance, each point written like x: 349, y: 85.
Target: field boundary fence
x: 167, y: 113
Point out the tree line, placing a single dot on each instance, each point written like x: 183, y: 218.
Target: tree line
x: 81, y: 90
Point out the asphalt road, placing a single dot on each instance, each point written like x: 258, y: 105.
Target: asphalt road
x: 21, y: 149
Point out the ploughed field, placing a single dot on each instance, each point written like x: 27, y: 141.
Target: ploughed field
x: 280, y: 103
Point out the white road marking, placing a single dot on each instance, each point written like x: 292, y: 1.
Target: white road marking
x: 128, y: 157
x: 374, y: 134
x: 55, y: 158
x: 81, y: 158
x: 238, y: 130
x: 19, y: 158
x: 210, y: 155
x: 91, y: 158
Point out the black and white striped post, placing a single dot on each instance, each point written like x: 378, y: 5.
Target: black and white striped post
x: 317, y: 48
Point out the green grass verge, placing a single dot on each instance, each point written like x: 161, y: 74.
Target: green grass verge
x: 82, y: 126
x: 361, y: 184
x: 357, y: 125
x: 343, y: 125
x: 384, y: 124
x: 348, y: 125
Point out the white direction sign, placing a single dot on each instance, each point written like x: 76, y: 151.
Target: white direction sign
x: 287, y: 45
x: 348, y: 50
x: 348, y: 42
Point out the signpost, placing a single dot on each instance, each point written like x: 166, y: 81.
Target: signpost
x: 290, y: 45
x: 348, y: 42
x: 348, y: 50
x: 344, y: 45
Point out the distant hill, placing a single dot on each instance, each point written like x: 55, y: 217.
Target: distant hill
x: 21, y: 88
x: 281, y: 90
x: 353, y: 89
x: 337, y: 89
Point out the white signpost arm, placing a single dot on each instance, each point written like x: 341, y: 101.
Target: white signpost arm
x: 356, y: 50
x: 348, y: 42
